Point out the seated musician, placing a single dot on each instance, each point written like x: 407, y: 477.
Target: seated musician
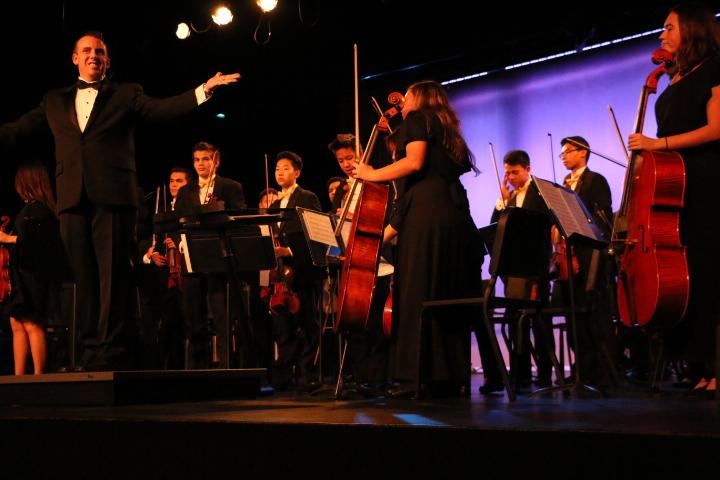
x: 524, y: 194
x: 160, y: 290
x: 296, y: 336
x: 201, y: 290
x: 598, y: 353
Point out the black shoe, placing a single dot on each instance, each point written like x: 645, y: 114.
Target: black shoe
x: 492, y: 387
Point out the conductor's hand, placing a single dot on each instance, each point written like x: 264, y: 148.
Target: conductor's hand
x: 220, y: 79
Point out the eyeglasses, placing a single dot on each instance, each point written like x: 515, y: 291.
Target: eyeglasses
x: 566, y: 152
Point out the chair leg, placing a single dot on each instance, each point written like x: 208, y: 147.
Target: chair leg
x: 498, y: 356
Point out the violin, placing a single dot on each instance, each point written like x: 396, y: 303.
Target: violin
x: 280, y: 296
x: 5, y: 287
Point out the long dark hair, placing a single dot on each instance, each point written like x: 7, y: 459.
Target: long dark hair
x: 699, y: 35
x: 431, y: 96
x: 33, y: 184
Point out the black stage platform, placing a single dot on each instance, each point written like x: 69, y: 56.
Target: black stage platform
x: 291, y: 435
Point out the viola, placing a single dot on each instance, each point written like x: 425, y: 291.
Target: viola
x: 558, y: 261
x: 653, y: 281
x: 5, y: 287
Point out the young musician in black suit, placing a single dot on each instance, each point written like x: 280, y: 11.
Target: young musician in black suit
x: 296, y: 336
x: 93, y: 124
x: 597, y: 351
x: 524, y: 194
x: 210, y: 187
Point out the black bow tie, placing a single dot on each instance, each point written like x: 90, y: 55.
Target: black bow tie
x: 83, y: 84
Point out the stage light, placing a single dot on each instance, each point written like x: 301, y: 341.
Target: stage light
x: 220, y: 116
x: 183, y: 31
x: 267, y: 5
x: 222, y: 15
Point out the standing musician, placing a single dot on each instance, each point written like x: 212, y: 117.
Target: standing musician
x: 297, y: 335
x: 367, y: 349
x: 210, y: 187
x: 688, y: 119
x: 524, y: 194
x: 343, y: 148
x: 163, y: 335
x: 36, y: 267
x: 93, y: 122
x: 439, y: 250
x: 594, y: 324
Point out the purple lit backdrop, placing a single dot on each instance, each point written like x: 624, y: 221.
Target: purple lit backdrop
x: 569, y: 96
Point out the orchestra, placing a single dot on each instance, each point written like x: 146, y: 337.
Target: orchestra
x: 412, y: 213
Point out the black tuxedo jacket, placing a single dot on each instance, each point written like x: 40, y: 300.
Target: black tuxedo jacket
x: 102, y: 158
x: 594, y: 191
x: 291, y: 235
x: 532, y: 201
x: 225, y: 189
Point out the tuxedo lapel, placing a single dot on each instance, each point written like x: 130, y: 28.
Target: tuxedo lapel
x: 69, y: 101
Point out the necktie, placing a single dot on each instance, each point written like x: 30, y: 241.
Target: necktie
x: 83, y: 84
x: 512, y: 201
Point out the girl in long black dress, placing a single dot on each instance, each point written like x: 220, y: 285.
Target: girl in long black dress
x: 34, y: 263
x: 439, y: 253
x: 688, y: 118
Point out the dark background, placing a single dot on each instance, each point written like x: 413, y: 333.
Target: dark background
x: 297, y: 90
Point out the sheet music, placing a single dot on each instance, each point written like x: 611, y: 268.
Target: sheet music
x: 319, y: 227
x: 566, y: 208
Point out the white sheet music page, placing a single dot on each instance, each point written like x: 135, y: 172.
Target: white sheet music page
x: 319, y: 227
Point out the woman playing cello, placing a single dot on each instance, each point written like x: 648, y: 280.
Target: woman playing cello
x: 439, y: 253
x: 688, y: 119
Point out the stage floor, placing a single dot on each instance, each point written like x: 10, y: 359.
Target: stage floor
x: 626, y: 432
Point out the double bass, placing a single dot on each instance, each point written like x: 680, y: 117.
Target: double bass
x: 653, y: 282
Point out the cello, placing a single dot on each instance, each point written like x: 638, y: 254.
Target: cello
x: 362, y: 252
x: 646, y: 231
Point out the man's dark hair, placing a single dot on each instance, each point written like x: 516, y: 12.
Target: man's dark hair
x: 333, y: 179
x: 578, y: 143
x: 342, y: 140
x: 207, y: 147
x: 189, y: 174
x: 517, y: 157
x: 294, y: 158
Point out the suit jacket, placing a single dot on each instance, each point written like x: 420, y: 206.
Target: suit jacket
x: 291, y: 235
x: 594, y: 191
x: 225, y: 189
x: 532, y: 201
x: 102, y: 158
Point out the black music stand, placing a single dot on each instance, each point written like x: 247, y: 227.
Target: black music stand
x: 577, y: 227
x: 225, y: 242
x: 325, y: 249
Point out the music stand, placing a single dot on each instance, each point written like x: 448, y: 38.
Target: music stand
x: 326, y: 249
x: 577, y: 227
x: 223, y: 242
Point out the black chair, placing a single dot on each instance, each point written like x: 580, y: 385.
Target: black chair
x: 520, y: 249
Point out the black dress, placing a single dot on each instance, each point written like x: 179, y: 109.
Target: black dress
x: 681, y: 108
x: 439, y: 257
x: 37, y: 265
